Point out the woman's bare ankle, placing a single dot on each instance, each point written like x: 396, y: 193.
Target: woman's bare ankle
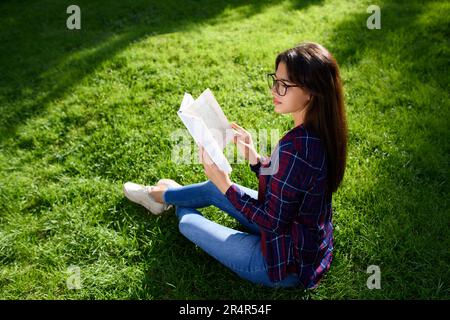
x: 157, y: 193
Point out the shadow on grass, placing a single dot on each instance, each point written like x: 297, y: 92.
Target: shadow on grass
x: 179, y: 271
x: 409, y: 242
x: 403, y: 212
x: 42, y: 60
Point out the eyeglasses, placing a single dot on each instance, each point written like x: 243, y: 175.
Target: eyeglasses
x: 280, y: 86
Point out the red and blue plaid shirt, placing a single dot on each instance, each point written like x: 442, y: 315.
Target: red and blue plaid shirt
x: 293, y: 210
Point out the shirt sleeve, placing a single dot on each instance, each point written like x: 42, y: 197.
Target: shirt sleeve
x: 255, y: 168
x: 262, y: 161
x: 282, y: 197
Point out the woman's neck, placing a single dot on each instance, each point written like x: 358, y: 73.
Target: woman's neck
x: 298, y: 117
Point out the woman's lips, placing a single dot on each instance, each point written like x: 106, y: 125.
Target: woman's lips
x: 275, y: 101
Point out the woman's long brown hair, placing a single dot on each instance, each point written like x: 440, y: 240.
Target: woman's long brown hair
x: 314, y: 68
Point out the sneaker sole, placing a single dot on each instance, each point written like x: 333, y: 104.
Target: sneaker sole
x: 155, y: 212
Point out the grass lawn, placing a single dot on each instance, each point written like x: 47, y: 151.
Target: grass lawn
x: 84, y: 111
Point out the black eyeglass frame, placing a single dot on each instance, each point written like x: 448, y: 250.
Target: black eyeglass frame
x: 271, y: 81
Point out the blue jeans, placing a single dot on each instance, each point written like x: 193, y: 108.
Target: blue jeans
x: 239, y: 251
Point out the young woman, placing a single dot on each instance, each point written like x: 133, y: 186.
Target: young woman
x: 289, y: 219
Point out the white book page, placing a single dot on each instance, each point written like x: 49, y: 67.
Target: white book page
x: 207, y: 108
x: 203, y: 137
x: 187, y: 101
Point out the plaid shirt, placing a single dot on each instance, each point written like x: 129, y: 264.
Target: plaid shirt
x: 293, y: 210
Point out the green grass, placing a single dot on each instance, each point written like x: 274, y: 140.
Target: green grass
x: 84, y: 111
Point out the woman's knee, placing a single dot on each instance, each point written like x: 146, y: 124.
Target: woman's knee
x: 187, y: 219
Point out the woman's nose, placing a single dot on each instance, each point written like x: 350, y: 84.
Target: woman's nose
x: 272, y: 91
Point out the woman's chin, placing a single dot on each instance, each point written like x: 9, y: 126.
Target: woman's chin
x: 277, y: 108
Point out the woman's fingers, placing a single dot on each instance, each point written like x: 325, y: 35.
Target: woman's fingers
x: 205, y: 159
x: 237, y: 133
x: 203, y: 155
x: 243, y: 149
x: 242, y: 142
x: 244, y: 134
x: 242, y: 146
x: 236, y: 126
x: 236, y: 136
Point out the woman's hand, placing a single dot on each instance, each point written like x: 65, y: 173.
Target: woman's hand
x: 215, y: 175
x: 244, y: 143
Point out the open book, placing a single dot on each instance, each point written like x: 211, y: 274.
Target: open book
x: 208, y: 125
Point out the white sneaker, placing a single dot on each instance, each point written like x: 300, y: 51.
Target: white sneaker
x: 169, y: 182
x: 139, y: 194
